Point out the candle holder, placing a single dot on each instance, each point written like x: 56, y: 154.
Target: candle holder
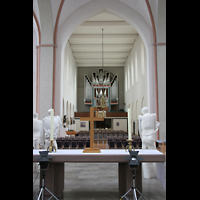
x: 51, y: 148
x: 130, y: 146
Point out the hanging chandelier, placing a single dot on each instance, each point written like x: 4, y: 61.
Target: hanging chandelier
x: 102, y: 101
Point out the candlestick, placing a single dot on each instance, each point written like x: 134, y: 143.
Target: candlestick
x: 52, y: 114
x: 130, y: 147
x: 51, y: 148
x: 129, y: 124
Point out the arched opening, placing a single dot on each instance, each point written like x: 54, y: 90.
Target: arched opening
x: 121, y: 10
x: 36, y: 41
x: 67, y: 114
x: 133, y: 120
x: 70, y: 110
x: 136, y: 118
x: 64, y: 110
x: 142, y: 102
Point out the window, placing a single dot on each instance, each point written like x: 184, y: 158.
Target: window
x: 126, y: 79
x: 129, y: 82
x: 132, y: 72
x: 142, y: 59
x: 136, y: 67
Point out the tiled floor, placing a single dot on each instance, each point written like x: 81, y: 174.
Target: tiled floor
x: 99, y: 181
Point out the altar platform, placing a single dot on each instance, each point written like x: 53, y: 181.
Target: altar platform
x: 54, y: 179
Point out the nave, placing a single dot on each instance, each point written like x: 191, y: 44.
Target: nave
x: 96, y: 181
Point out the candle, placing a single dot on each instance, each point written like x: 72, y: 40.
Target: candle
x: 129, y: 124
x: 52, y: 114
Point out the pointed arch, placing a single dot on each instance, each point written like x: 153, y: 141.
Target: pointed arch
x: 36, y: 27
x: 67, y: 114
x: 142, y: 103
x: 64, y: 110
x: 119, y: 9
x: 136, y: 118
x: 70, y: 110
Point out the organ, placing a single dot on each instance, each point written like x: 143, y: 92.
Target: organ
x: 102, y: 83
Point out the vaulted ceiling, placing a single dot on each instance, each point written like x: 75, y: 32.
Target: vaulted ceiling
x: 118, y: 40
x: 86, y: 40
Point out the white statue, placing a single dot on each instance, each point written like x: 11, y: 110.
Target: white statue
x: 38, y: 137
x: 57, y: 122
x: 148, y: 126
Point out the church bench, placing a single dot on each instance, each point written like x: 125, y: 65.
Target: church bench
x: 81, y: 145
x: 134, y: 143
x: 73, y: 145
x: 87, y: 144
x: 66, y: 145
x: 60, y: 144
x: 119, y: 145
x: 139, y: 144
x: 111, y: 145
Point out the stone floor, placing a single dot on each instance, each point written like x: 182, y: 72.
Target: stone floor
x: 99, y: 181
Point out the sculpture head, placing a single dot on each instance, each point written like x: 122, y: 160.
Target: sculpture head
x: 145, y: 110
x: 49, y: 112
x: 35, y: 115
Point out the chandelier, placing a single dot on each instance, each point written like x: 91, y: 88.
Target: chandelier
x: 102, y: 100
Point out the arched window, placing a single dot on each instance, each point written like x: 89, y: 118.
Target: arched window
x: 132, y: 72
x: 126, y: 79
x: 142, y: 102
x: 136, y: 67
x: 129, y: 82
x: 67, y: 115
x: 70, y: 110
x: 142, y: 59
x: 64, y: 107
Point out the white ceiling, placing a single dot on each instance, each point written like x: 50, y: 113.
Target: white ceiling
x: 118, y: 40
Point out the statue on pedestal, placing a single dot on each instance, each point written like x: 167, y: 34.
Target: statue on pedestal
x: 57, y: 122
x: 38, y: 137
x: 148, y: 126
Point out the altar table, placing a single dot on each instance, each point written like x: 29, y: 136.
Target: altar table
x: 54, y: 179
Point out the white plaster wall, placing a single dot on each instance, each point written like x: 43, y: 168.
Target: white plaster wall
x: 122, y: 124
x: 34, y: 70
x: 135, y: 78
x: 78, y: 125
x: 46, y: 57
x: 46, y: 80
x: 69, y: 82
x: 161, y: 66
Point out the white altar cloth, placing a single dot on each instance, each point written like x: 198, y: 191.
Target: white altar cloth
x: 103, y: 152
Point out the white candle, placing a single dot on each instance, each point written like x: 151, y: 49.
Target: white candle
x: 129, y: 124
x: 52, y: 114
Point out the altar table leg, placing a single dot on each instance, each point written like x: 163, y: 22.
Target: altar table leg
x: 125, y: 178
x: 54, y: 179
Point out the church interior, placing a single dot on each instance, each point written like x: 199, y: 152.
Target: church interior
x: 109, y: 55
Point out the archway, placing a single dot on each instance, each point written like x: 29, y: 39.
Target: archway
x: 136, y: 120
x: 129, y: 14
x: 70, y: 110
x: 142, y: 102
x: 67, y: 115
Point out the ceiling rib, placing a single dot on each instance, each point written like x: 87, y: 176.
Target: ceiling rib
x: 108, y: 36
x: 105, y: 23
x: 118, y: 40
